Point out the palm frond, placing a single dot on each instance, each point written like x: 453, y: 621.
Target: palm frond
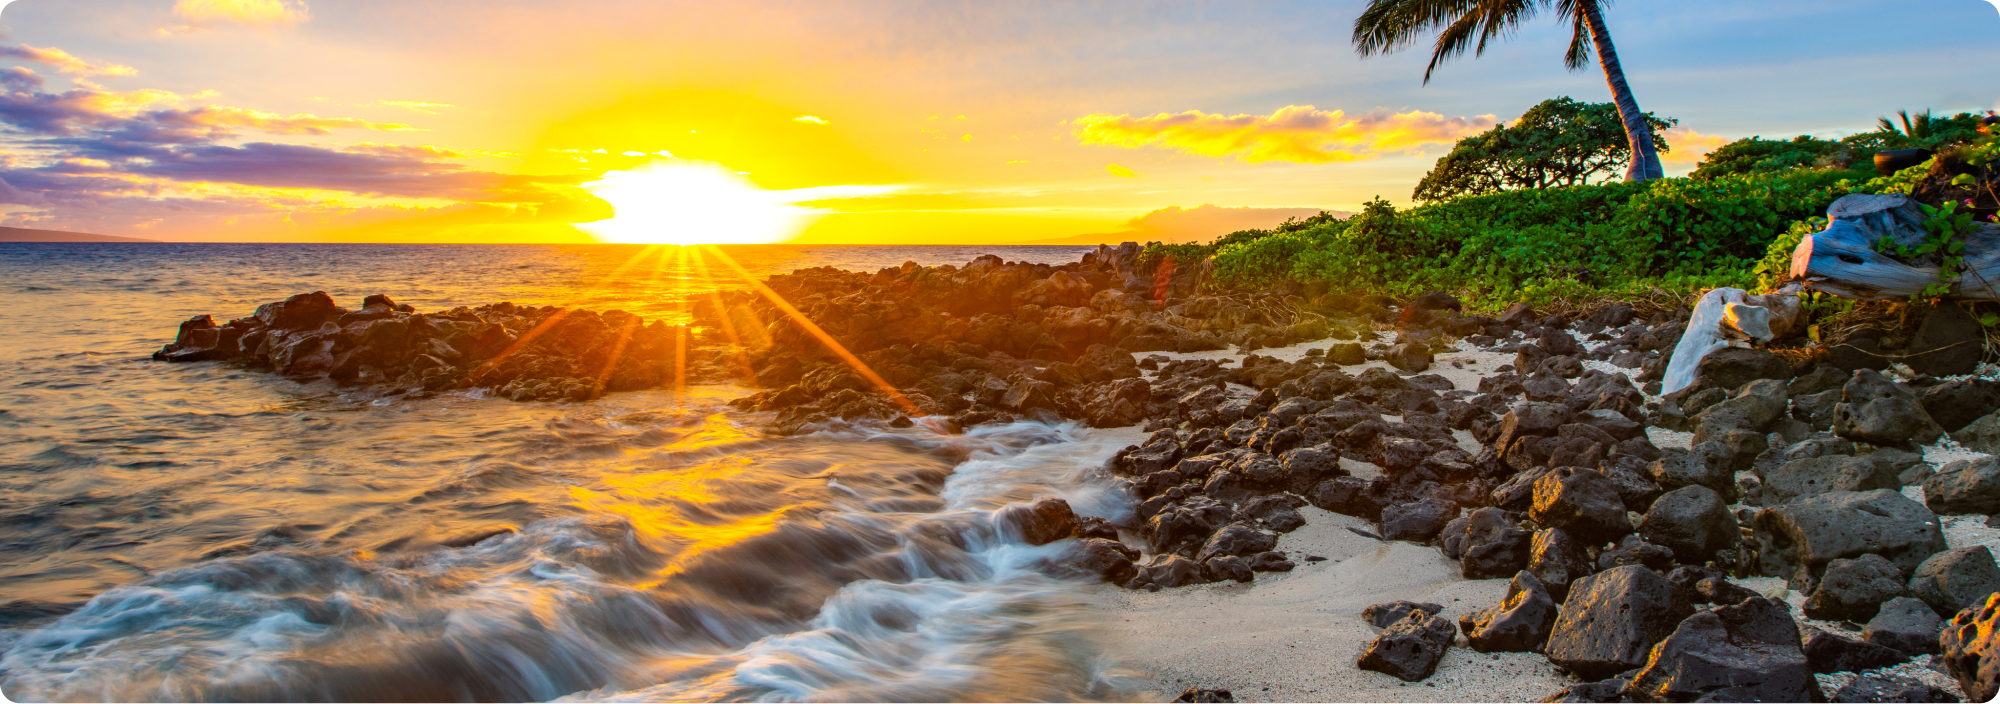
x: 1883, y: 123
x: 1908, y: 129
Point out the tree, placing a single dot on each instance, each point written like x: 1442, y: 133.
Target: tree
x: 1388, y: 25
x: 1758, y: 155
x: 1560, y: 142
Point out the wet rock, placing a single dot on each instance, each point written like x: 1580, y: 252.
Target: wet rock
x: 1796, y: 540
x: 1964, y: 487
x: 1108, y: 559
x: 1558, y: 559
x: 1047, y: 520
x: 1828, y: 652
x: 1905, y: 624
x: 1166, y: 571
x: 1611, y: 619
x: 1382, y: 615
x: 1580, y: 501
x: 1486, y: 544
x: 1692, y: 521
x: 1746, y: 652
x: 1821, y: 475
x: 1239, y: 538
x: 1956, y: 404
x: 1955, y: 580
x: 1417, y: 521
x: 1970, y: 644
x: 1195, y: 695
x: 1878, y: 411
x: 1519, y: 623
x: 1853, y: 589
x: 1889, y: 689
x: 1409, y: 649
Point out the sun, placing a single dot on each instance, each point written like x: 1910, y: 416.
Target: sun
x: 683, y: 202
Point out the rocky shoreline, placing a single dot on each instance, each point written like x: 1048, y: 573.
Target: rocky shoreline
x: 1624, y: 559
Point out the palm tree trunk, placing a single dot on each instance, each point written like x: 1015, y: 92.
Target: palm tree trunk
x: 1645, y: 159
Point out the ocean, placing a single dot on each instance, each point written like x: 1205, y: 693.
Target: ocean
x: 203, y: 532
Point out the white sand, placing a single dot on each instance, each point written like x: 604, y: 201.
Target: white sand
x: 1295, y: 636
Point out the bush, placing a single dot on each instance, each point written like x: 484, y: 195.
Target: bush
x: 1757, y: 155
x: 1559, y: 142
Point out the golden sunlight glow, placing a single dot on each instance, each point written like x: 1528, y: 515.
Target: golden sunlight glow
x: 689, y: 202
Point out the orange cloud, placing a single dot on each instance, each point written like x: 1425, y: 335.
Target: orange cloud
x: 255, y: 13
x: 63, y: 62
x: 1690, y: 147
x: 1299, y: 133
x: 273, y: 123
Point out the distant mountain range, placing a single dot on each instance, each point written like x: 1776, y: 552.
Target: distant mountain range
x: 23, y: 234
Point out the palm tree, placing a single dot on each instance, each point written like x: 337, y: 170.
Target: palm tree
x: 1388, y: 25
x: 1918, y: 129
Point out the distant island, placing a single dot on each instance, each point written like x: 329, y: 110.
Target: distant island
x: 23, y: 234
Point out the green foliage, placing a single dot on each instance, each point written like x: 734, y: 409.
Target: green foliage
x: 1777, y: 262
x: 1927, y: 131
x: 1560, y: 142
x: 1757, y: 155
x: 1945, y: 229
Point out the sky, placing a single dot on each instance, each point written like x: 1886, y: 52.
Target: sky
x: 844, y: 121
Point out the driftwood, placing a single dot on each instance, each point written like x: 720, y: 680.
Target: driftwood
x: 1728, y: 317
x: 1841, y: 260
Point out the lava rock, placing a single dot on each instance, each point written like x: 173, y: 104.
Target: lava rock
x: 1692, y: 521
x: 1612, y: 619
x: 1956, y: 404
x: 1634, y: 550
x: 1045, y: 521
x: 1486, y: 544
x: 1409, y: 649
x: 1905, y: 624
x: 1194, y: 695
x: 1240, y: 538
x: 1227, y: 568
x: 1708, y: 464
x: 1167, y: 571
x: 1893, y: 689
x: 1964, y: 487
x: 1828, y: 652
x: 1519, y: 623
x: 1732, y: 367
x: 1409, y: 357
x: 1949, y: 342
x: 1796, y: 540
x: 1558, y: 559
x: 1106, y: 558
x: 1348, y: 496
x: 1820, y: 475
x: 1270, y: 561
x: 1971, y: 649
x: 1748, y: 652
x: 1580, y: 501
x: 1278, y: 512
x: 1878, y: 411
x: 1347, y: 354
x: 1417, y: 521
x: 1956, y: 580
x: 1853, y: 589
x: 1382, y: 615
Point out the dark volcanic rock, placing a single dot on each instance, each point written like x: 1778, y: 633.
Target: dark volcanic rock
x: 1382, y: 615
x: 1634, y: 550
x: 1956, y: 580
x: 1279, y: 512
x: 1878, y: 411
x: 1409, y: 649
x: 1521, y: 622
x: 1853, y: 589
x: 1891, y: 689
x: 1047, y: 520
x: 1820, y: 475
x: 1582, y: 502
x: 1955, y: 404
x: 1828, y: 652
x: 1108, y: 559
x: 1971, y: 649
x: 1417, y: 521
x: 1732, y: 367
x: 1236, y: 539
x: 1964, y: 487
x: 1708, y: 464
x: 1167, y: 571
x: 1905, y: 624
x: 1611, y: 619
x: 1194, y: 695
x: 1348, y: 496
x: 1796, y: 540
x: 1692, y: 521
x: 1748, y: 652
x: 1227, y: 568
x: 1486, y: 544
x: 1558, y: 559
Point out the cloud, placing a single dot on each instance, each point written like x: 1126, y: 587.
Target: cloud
x: 417, y: 106
x: 814, y: 119
x: 150, y: 115
x: 1120, y: 171
x: 63, y: 62
x: 1690, y: 147
x: 255, y: 13
x: 20, y: 80
x: 1300, y: 133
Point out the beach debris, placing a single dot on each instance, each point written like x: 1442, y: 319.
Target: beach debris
x: 1611, y: 619
x: 1724, y: 318
x: 1520, y: 622
x: 1746, y: 652
x: 1831, y: 652
x: 1905, y: 624
x: 1409, y: 649
x: 1971, y: 649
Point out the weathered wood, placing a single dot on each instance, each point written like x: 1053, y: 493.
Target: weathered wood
x: 1727, y: 317
x: 1841, y: 259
